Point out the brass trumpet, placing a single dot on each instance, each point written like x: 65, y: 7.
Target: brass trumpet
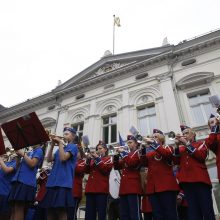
x: 172, y: 135
x: 51, y: 136
x: 89, y: 150
x: 9, y: 155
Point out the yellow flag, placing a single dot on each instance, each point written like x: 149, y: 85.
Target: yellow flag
x: 117, y: 21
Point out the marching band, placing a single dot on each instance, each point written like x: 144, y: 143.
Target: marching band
x: 175, y: 183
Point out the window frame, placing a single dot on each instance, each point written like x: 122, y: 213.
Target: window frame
x: 199, y: 94
x: 109, y: 127
x: 142, y: 107
x: 78, y: 131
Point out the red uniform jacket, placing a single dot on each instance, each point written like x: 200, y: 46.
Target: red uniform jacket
x: 160, y: 176
x: 41, y: 182
x: 130, y: 177
x: 192, y: 166
x: 78, y: 178
x: 145, y: 205
x: 98, y: 181
x: 213, y: 143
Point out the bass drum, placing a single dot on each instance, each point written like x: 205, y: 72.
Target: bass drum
x: 114, y: 183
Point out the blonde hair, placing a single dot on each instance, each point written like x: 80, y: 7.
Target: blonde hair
x: 161, y: 138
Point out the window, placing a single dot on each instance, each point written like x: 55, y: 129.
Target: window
x: 79, y: 129
x: 147, y: 120
x: 201, y: 107
x: 109, y: 125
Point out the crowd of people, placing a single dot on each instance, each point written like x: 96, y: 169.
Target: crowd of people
x: 157, y: 181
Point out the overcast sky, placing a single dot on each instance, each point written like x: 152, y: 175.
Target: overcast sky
x: 44, y: 41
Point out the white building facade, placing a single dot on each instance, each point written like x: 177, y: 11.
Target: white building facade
x: 154, y: 88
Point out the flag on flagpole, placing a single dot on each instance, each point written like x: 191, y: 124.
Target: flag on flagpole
x: 117, y: 21
x: 121, y: 142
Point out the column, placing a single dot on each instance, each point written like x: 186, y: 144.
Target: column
x: 92, y: 128
x: 61, y: 115
x: 170, y: 106
x: 124, y: 115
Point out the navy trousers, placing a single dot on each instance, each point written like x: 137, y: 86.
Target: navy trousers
x: 199, y: 199
x: 148, y: 216
x: 129, y: 206
x: 72, y: 212
x: 164, y: 205
x: 96, y: 204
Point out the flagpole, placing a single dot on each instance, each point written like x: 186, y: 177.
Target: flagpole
x: 113, y: 34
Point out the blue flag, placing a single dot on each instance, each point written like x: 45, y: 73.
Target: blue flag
x: 121, y: 142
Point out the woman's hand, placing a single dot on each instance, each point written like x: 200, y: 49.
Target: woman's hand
x: 120, y: 149
x: 180, y: 139
x: 20, y: 153
x: 94, y: 154
x: 56, y: 140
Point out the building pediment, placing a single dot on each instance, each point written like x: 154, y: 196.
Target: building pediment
x: 110, y: 63
x: 195, y: 79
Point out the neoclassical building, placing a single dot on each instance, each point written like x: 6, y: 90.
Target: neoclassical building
x: 159, y: 87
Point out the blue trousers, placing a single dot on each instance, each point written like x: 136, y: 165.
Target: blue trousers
x: 199, y: 199
x: 129, y: 207
x: 164, y: 205
x: 96, y: 204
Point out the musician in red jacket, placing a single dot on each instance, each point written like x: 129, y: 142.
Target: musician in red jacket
x: 130, y: 187
x: 146, y: 207
x: 193, y: 175
x: 161, y: 185
x: 97, y: 187
x: 213, y: 140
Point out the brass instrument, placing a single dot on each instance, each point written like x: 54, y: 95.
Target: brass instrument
x: 89, y: 150
x: 138, y: 136
x: 11, y: 154
x: 51, y: 136
x: 113, y: 150
x: 172, y: 135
